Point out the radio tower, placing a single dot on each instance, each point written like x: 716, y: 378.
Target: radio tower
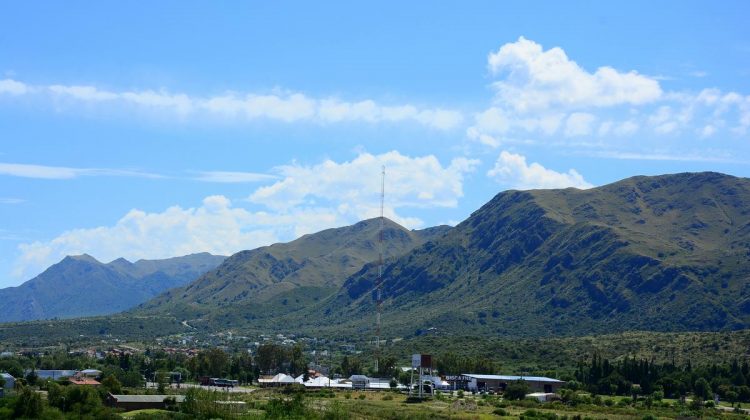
x: 379, y: 282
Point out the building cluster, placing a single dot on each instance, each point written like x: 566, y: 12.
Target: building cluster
x: 318, y: 380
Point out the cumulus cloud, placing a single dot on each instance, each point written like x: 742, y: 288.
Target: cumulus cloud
x: 537, y: 79
x: 421, y: 182
x: 303, y: 200
x: 512, y: 170
x: 279, y: 106
x: 546, y: 94
x: 579, y: 124
x: 215, y: 226
x: 12, y: 87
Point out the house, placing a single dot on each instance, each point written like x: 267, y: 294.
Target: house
x: 498, y: 383
x: 142, y: 402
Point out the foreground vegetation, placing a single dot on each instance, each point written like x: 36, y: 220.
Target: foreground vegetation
x: 296, y: 402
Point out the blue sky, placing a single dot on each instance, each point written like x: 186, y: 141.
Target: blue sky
x: 155, y: 130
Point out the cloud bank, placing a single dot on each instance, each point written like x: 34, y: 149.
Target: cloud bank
x: 282, y: 106
x: 304, y: 199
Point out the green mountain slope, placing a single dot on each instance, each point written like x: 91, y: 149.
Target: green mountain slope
x: 285, y: 277
x: 82, y: 286
x: 664, y: 253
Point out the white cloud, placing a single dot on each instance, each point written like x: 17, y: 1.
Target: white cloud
x: 537, y: 79
x: 707, y: 131
x: 279, y: 105
x: 418, y: 182
x: 306, y: 199
x: 704, y: 156
x: 13, y: 87
x: 232, y: 177
x: 61, y: 172
x: 626, y: 128
x: 11, y: 200
x: 512, y: 170
x: 215, y: 226
x: 579, y: 124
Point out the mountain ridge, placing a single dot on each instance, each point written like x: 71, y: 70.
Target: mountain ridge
x: 80, y: 285
x: 317, y: 263
x: 580, y: 261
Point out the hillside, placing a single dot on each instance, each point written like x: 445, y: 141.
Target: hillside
x: 82, y: 286
x: 286, y: 277
x: 663, y: 253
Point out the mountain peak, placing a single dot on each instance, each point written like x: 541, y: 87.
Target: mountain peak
x: 82, y: 257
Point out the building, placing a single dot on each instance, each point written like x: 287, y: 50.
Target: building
x: 90, y: 373
x: 498, y: 383
x: 280, y: 379
x: 142, y: 402
x: 360, y: 381
x: 10, y: 381
x: 82, y: 380
x: 53, y: 374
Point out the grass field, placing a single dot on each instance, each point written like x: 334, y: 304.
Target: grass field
x: 274, y: 403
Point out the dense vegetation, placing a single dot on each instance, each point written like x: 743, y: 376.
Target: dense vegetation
x: 632, y: 376
x: 664, y: 253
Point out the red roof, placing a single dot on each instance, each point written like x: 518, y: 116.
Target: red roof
x: 83, y: 381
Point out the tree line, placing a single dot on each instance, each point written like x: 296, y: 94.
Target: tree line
x: 631, y: 376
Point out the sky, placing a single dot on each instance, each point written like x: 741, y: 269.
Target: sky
x: 158, y: 129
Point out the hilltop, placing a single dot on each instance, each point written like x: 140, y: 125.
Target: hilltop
x: 82, y: 286
x: 286, y: 277
x: 661, y: 253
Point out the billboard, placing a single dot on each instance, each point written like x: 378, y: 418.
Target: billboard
x: 421, y: 360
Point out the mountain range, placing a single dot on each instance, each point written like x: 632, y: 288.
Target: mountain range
x: 649, y: 253
x: 658, y: 253
x: 287, y: 277
x: 82, y: 286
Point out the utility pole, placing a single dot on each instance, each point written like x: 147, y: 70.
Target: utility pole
x: 379, y: 283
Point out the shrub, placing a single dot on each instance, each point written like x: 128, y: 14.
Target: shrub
x: 500, y: 412
x: 516, y: 390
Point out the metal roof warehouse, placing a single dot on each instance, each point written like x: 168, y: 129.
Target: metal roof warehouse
x: 478, y: 382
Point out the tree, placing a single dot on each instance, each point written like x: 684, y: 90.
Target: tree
x: 702, y: 389
x: 387, y: 366
x: 32, y: 378
x: 131, y: 379
x: 298, y: 363
x: 270, y: 358
x: 111, y: 384
x: 516, y: 390
x: 743, y: 393
x: 28, y: 404
x: 161, y: 380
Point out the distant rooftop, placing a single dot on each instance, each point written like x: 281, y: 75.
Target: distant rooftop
x: 146, y: 398
x: 513, y: 378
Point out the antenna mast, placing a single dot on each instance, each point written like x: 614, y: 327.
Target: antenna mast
x: 378, y: 284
